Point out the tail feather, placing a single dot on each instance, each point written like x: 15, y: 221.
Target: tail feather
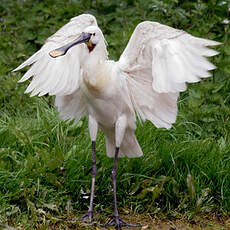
x: 129, y: 147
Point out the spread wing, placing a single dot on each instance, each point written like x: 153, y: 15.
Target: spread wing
x: 57, y: 76
x: 157, y: 62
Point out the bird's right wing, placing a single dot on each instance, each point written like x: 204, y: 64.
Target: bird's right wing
x: 157, y: 63
x: 57, y: 76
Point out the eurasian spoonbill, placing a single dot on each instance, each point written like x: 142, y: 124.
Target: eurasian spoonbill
x: 145, y: 83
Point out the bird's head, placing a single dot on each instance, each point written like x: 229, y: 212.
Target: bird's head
x: 91, y: 37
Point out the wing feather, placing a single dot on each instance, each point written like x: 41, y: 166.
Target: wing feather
x: 59, y: 76
x: 71, y: 106
x: 158, y: 61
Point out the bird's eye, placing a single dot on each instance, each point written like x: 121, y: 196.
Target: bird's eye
x: 94, y: 34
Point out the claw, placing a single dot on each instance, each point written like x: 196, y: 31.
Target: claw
x: 88, y: 218
x: 118, y: 223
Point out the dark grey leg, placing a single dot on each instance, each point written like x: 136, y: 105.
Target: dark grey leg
x: 89, y: 216
x: 114, y: 176
x: 115, y: 220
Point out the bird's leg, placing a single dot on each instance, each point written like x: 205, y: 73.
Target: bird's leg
x: 120, y: 128
x: 89, y: 216
x: 114, y: 176
x: 115, y: 220
x: 94, y: 173
x: 93, y: 127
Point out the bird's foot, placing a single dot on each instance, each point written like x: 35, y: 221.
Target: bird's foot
x: 88, y: 218
x: 118, y: 223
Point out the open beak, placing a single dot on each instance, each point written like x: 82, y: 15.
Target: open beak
x: 84, y: 37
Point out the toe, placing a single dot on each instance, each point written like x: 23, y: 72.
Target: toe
x: 88, y: 217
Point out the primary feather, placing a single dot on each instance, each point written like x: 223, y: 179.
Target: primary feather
x: 57, y: 76
x: 158, y: 61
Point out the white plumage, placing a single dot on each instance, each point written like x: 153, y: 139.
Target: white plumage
x: 145, y: 83
x: 147, y: 79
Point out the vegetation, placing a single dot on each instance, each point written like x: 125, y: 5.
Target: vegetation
x: 45, y: 163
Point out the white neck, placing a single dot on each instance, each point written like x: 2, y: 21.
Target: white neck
x: 95, y: 73
x: 93, y: 59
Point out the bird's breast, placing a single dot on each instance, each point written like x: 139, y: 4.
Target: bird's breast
x: 98, y: 80
x: 95, y: 84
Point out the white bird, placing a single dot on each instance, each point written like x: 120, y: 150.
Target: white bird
x: 73, y: 65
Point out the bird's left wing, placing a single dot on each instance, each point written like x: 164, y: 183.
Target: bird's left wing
x: 157, y: 63
x: 57, y: 76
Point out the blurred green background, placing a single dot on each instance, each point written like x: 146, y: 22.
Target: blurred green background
x: 45, y: 163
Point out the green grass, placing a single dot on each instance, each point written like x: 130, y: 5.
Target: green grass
x: 45, y: 163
